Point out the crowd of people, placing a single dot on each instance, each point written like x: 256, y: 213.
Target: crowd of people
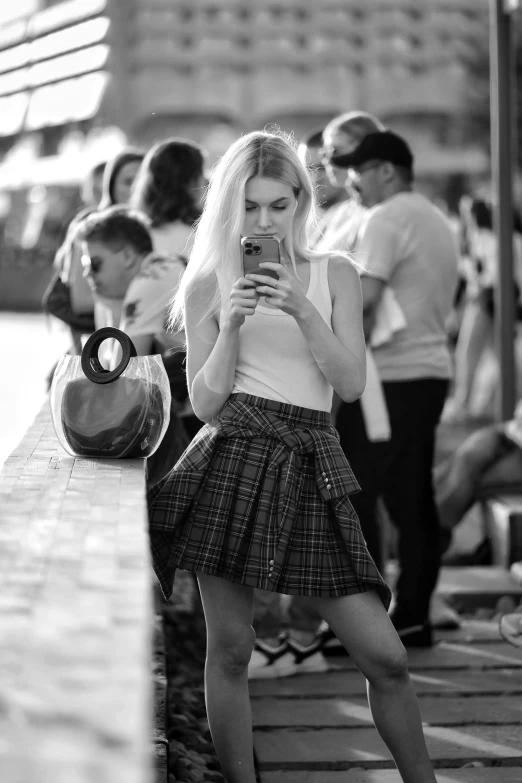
x: 305, y: 404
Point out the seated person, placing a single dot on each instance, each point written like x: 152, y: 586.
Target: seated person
x: 489, y: 458
x: 120, y: 264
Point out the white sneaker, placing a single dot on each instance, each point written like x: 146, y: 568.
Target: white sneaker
x: 268, y: 662
x: 510, y: 628
x: 442, y: 615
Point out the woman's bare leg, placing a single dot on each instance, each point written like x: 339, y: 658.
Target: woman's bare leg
x: 474, y: 336
x: 230, y: 640
x: 360, y: 622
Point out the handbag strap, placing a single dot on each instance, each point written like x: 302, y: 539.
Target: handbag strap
x: 91, y: 364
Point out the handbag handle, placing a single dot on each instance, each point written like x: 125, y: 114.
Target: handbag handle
x: 91, y: 364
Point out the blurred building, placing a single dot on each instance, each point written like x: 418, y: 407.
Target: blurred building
x: 80, y: 76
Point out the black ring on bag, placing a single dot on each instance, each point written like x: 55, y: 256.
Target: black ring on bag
x: 91, y: 365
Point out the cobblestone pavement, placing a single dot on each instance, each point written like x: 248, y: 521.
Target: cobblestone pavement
x: 29, y: 347
x: 318, y: 728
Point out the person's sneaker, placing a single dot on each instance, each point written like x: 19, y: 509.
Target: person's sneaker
x: 330, y: 644
x: 308, y: 658
x: 510, y: 628
x: 415, y: 635
x: 442, y: 616
x: 269, y: 662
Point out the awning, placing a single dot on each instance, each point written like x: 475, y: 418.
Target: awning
x: 12, y: 113
x: 67, y: 101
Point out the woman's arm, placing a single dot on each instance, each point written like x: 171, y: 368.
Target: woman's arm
x: 341, y: 353
x: 212, y: 349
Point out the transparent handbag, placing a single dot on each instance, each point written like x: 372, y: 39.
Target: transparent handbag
x: 119, y: 413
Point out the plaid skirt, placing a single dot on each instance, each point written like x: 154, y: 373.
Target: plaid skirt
x: 261, y: 498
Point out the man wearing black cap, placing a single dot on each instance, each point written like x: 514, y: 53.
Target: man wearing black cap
x: 407, y: 244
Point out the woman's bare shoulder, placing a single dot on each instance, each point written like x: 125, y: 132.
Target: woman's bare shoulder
x: 343, y: 278
x: 342, y: 267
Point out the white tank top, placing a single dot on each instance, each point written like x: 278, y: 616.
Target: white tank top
x: 274, y: 360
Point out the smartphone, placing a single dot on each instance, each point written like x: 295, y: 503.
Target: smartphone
x: 258, y: 249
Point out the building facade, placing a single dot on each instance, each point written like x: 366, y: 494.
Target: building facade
x: 79, y: 77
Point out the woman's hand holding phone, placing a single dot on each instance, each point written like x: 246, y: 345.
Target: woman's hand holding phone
x: 243, y: 301
x: 284, y: 293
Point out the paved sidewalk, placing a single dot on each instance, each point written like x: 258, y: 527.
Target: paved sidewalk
x: 318, y: 728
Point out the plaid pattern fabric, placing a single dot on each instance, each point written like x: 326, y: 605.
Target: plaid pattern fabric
x: 261, y: 497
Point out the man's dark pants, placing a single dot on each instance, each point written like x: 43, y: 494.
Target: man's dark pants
x: 400, y: 472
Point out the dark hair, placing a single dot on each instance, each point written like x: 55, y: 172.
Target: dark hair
x: 482, y: 213
x: 117, y: 227
x: 162, y: 189
x: 405, y: 174
x: 313, y: 139
x: 112, y: 169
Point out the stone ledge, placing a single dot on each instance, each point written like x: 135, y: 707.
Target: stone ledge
x: 76, y: 617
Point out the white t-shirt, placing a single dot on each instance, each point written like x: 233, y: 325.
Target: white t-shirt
x: 408, y: 243
x: 341, y: 225
x: 484, y: 248
x: 146, y: 303
x: 173, y: 239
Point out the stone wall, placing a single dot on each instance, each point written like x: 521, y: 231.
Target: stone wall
x: 75, y: 617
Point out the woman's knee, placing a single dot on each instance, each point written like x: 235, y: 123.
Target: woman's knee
x: 390, y: 667
x: 231, y: 649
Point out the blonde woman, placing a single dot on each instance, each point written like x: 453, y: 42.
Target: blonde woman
x: 261, y: 496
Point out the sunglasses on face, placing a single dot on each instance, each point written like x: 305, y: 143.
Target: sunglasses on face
x: 93, y: 265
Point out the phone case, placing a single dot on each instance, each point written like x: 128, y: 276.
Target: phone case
x: 258, y: 249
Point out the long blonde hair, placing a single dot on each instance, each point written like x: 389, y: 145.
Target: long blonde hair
x: 216, y: 252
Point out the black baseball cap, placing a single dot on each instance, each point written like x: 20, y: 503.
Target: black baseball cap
x: 381, y: 145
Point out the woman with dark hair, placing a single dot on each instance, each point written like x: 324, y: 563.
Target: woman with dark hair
x: 168, y: 189
x: 119, y: 175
